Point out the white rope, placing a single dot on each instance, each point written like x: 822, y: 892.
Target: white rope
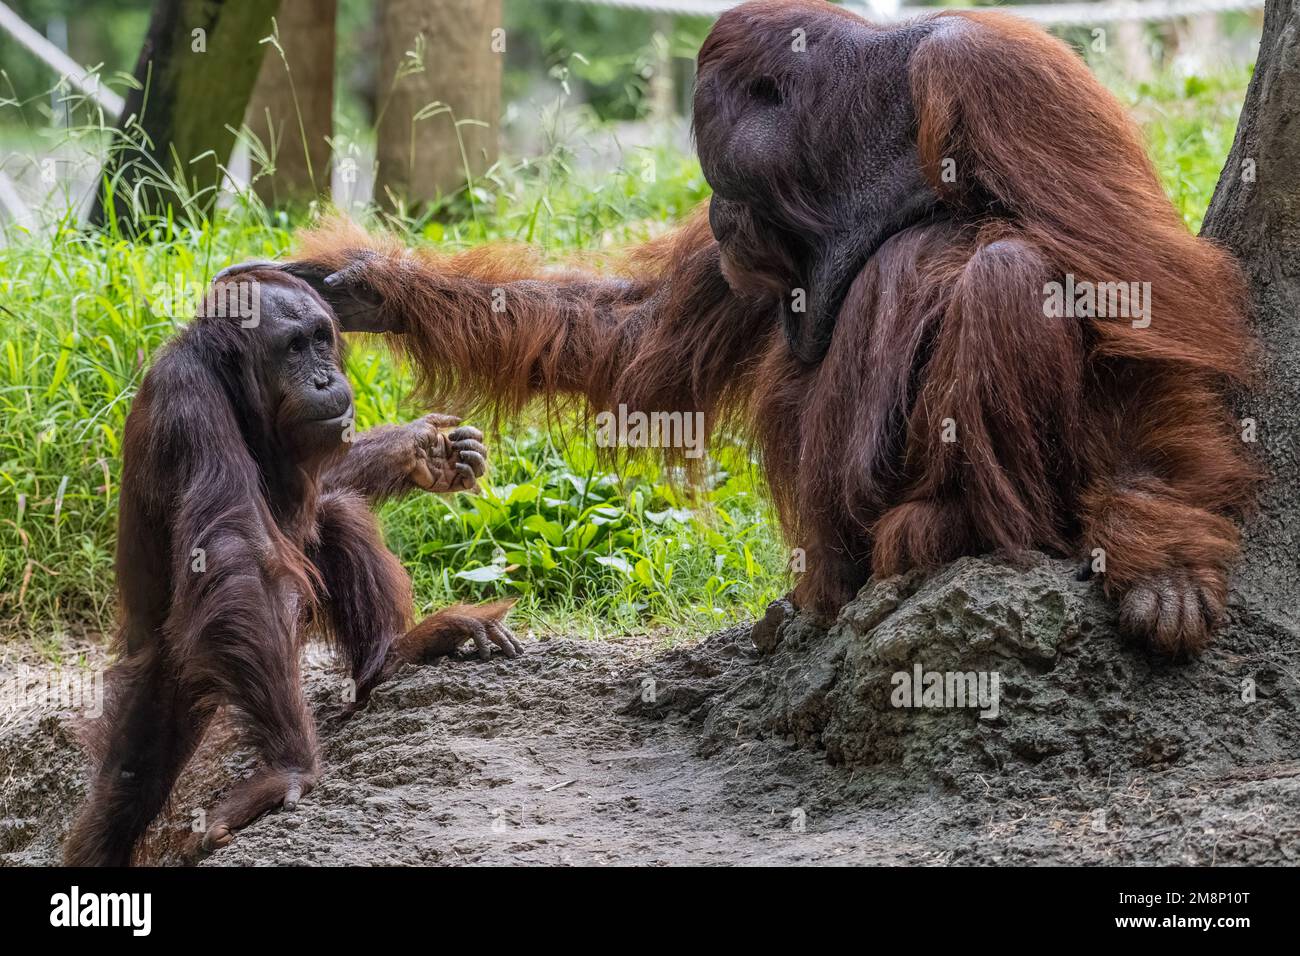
x: 1062, y: 14
x: 59, y: 61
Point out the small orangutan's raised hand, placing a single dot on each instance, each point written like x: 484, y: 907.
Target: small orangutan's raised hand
x: 446, y: 462
x: 389, y: 461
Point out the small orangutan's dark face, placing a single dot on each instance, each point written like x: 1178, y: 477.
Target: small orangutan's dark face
x: 303, y: 378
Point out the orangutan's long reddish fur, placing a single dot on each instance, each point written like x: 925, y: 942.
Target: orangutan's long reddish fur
x: 1073, y: 434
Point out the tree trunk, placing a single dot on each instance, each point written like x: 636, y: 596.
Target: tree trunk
x: 195, y: 74
x: 292, y: 108
x: 1255, y: 213
x: 662, y: 98
x: 456, y: 62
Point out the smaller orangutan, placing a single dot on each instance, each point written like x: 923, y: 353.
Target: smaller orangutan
x: 245, y: 517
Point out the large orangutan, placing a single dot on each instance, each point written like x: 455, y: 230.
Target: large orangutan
x: 242, y: 521
x: 886, y: 295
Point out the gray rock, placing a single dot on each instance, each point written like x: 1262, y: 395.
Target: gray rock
x: 1073, y: 698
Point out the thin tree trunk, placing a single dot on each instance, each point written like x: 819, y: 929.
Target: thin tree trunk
x: 1255, y: 213
x: 195, y: 74
x: 459, y: 60
x: 662, y: 98
x: 292, y: 108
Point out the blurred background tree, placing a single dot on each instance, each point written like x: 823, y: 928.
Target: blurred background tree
x: 291, y: 112
x: 407, y: 72
x: 439, y: 118
x: 192, y: 79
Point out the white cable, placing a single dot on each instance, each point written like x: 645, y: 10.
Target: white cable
x: 59, y: 61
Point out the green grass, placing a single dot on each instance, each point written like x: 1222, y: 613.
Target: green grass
x: 587, y: 548
x: 1190, y: 123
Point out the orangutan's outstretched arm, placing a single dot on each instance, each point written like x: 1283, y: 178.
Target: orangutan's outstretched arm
x: 492, y: 327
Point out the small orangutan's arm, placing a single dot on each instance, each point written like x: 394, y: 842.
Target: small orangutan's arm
x: 392, y: 460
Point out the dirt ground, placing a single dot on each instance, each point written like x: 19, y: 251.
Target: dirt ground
x: 618, y: 751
